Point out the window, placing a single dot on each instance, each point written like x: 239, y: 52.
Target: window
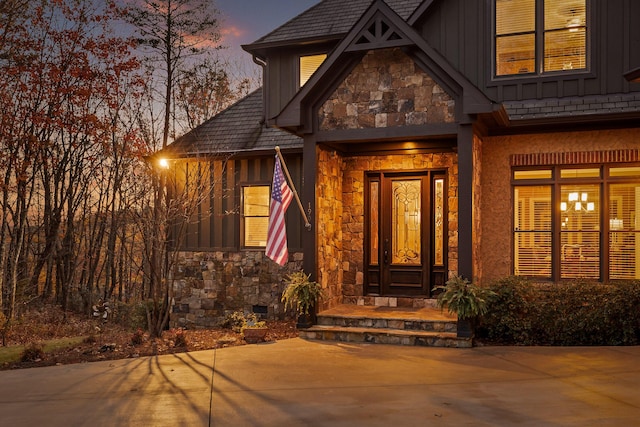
x: 577, y: 223
x: 308, y: 65
x: 540, y: 36
x: 255, y: 215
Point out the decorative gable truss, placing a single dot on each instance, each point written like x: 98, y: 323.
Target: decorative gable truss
x: 380, y: 33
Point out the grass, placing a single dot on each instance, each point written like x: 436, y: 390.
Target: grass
x: 13, y: 353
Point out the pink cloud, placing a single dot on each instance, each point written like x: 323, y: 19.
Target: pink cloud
x: 232, y: 31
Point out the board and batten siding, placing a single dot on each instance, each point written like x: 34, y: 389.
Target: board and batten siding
x: 462, y: 31
x: 216, y: 222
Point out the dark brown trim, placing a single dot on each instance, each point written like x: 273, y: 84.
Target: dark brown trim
x: 568, y: 124
x: 395, y: 133
x: 419, y: 12
x: 309, y: 237
x: 398, y: 148
x: 465, y: 201
x: 259, y: 49
x: 633, y: 76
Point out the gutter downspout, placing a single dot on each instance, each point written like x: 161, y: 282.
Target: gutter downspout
x: 262, y: 63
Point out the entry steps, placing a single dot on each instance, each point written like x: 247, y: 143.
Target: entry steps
x: 427, y: 326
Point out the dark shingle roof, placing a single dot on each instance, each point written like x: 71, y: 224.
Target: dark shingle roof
x: 331, y: 18
x: 238, y: 129
x: 573, y: 106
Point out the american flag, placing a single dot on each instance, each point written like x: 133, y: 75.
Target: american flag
x: 281, y: 196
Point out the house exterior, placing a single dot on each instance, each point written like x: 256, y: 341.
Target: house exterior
x: 449, y: 137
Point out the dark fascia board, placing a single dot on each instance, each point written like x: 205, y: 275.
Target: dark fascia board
x: 568, y: 124
x: 633, y: 76
x: 260, y: 49
x: 291, y: 115
x: 421, y: 10
x: 393, y: 147
x: 228, y: 154
x: 402, y: 133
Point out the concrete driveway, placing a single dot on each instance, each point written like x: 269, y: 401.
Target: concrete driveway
x: 306, y: 383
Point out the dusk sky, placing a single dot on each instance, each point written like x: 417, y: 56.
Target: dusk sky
x: 245, y: 21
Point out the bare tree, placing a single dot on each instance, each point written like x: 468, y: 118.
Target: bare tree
x: 173, y: 31
x: 203, y: 90
x: 175, y: 35
x: 63, y: 88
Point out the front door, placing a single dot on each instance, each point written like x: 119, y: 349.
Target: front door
x: 406, y: 233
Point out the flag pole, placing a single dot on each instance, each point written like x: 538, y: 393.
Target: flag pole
x: 307, y: 224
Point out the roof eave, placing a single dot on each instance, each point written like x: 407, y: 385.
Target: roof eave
x: 633, y: 76
x: 567, y: 123
x: 261, y: 48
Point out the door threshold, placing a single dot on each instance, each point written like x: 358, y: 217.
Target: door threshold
x: 387, y: 301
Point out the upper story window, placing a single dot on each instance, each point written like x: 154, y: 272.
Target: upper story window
x: 308, y: 65
x: 540, y: 36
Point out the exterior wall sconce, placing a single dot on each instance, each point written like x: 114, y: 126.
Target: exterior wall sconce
x: 163, y: 163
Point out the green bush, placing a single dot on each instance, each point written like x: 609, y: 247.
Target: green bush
x: 238, y: 321
x: 509, y: 314
x: 33, y: 353
x: 574, y: 313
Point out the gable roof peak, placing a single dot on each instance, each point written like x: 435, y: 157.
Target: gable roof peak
x: 327, y: 20
x: 380, y: 27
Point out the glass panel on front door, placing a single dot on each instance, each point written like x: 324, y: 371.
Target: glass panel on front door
x: 407, y: 233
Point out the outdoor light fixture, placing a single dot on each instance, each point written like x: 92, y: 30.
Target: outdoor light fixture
x: 164, y: 163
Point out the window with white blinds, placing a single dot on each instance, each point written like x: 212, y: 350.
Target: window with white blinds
x: 255, y: 215
x: 308, y: 65
x: 532, y: 234
x: 539, y: 36
x: 624, y: 231
x: 580, y: 231
x: 573, y: 223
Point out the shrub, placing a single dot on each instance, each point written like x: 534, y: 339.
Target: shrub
x: 138, y: 337
x: 573, y: 313
x: 237, y: 321
x: 510, y: 310
x: 181, y: 339
x: 463, y: 298
x: 32, y: 353
x: 301, y: 292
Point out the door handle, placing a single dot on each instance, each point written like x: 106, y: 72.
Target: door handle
x: 386, y: 251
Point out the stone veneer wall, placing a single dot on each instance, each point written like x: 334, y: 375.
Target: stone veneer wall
x: 329, y: 219
x: 353, y: 189
x: 386, y: 89
x: 477, y: 200
x: 207, y: 286
x: 496, y: 203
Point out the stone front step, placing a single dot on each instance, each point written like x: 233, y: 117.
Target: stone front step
x: 385, y: 336
x: 426, y: 326
x: 382, y: 318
